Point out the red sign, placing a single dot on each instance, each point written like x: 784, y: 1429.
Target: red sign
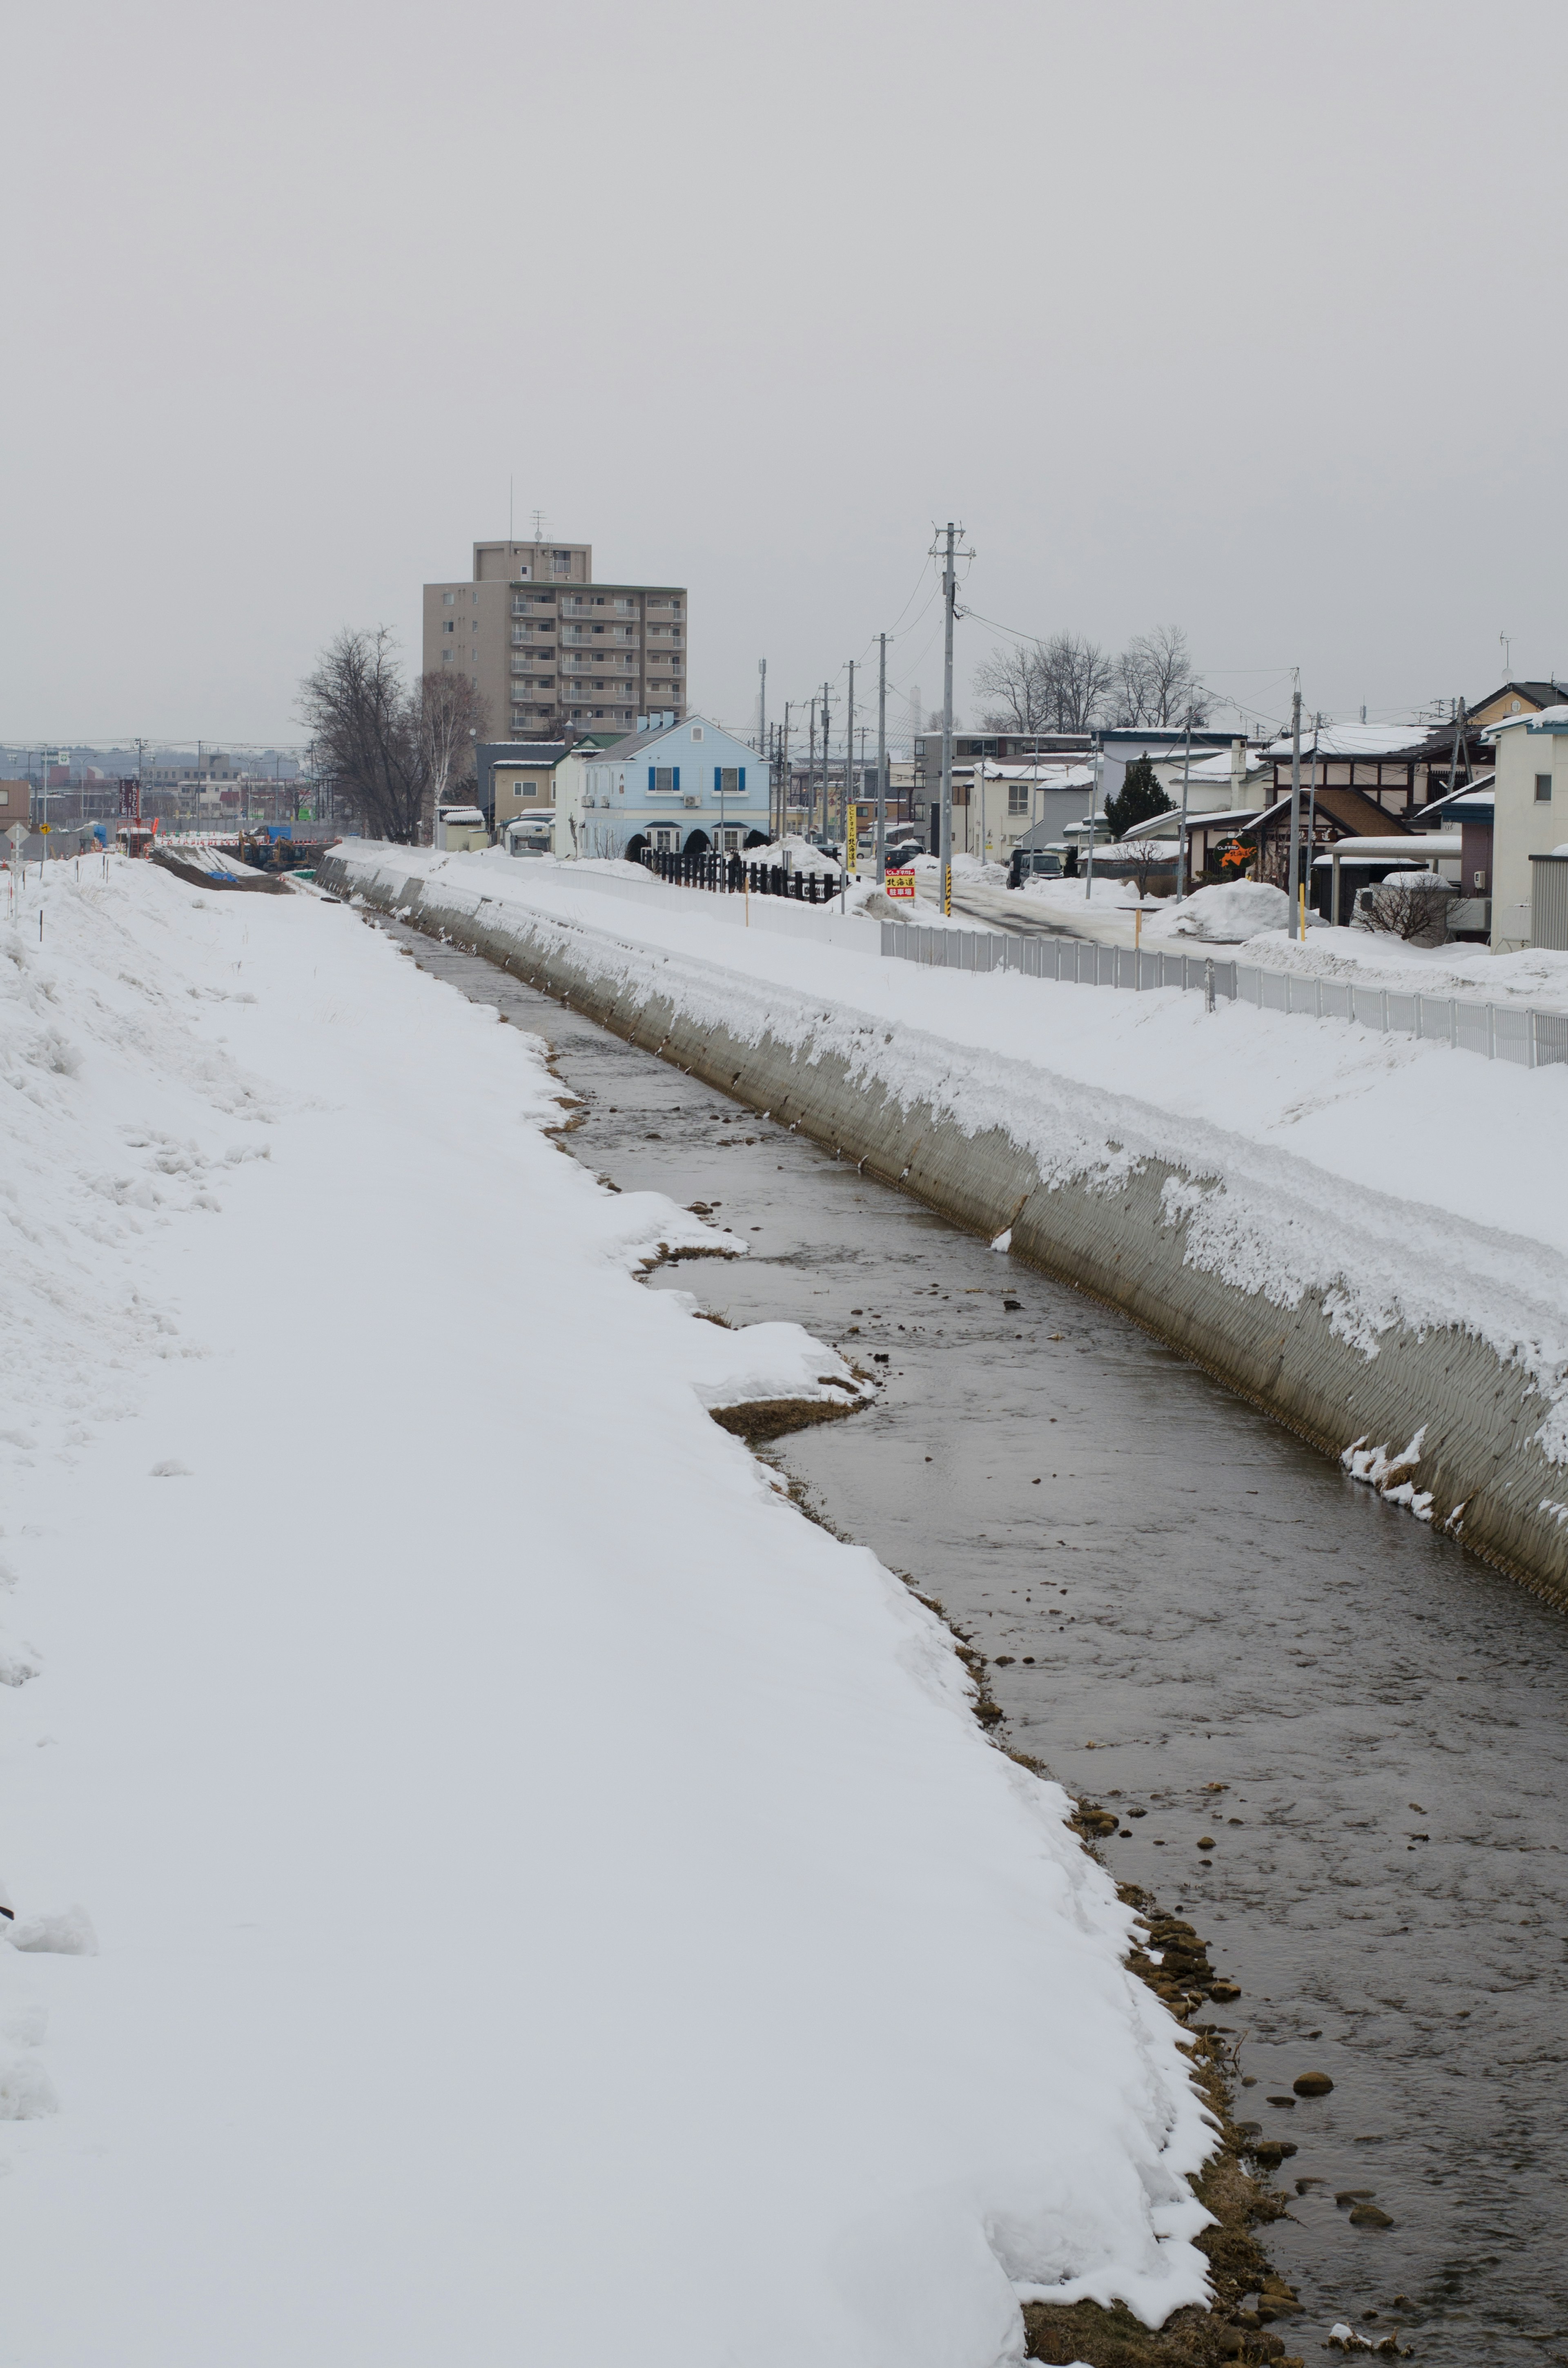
x: 900, y: 883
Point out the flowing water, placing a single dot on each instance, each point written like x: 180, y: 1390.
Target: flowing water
x: 1176, y: 1595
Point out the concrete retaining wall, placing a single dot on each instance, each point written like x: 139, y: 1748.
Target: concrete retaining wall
x: 1478, y: 1459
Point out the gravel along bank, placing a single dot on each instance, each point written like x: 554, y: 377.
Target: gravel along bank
x: 1193, y: 1622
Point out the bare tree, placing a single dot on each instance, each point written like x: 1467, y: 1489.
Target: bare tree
x: 1070, y: 683
x: 359, y: 712
x: 452, y: 714
x: 1412, y: 905
x: 1157, y: 682
x: 1010, y: 684
x: 1077, y: 677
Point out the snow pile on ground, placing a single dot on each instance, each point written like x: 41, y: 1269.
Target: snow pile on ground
x: 1224, y: 916
x: 1072, y: 895
x: 543, y: 1886
x: 1313, y: 1156
x: 800, y: 855
x: 974, y: 869
x: 1374, y: 958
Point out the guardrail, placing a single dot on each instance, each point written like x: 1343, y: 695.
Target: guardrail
x: 732, y: 875
x: 1500, y: 1032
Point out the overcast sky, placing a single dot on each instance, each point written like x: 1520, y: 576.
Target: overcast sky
x: 1240, y: 316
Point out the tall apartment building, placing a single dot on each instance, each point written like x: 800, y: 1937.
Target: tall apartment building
x: 554, y: 653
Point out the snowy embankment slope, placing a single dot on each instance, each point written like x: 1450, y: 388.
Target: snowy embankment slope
x: 553, y: 1899
x: 1407, y: 1184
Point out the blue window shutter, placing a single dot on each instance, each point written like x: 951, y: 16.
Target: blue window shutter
x: 650, y: 780
x: 741, y: 781
x: 718, y: 780
x: 677, y: 779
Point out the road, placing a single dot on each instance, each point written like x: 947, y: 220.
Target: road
x: 1024, y: 915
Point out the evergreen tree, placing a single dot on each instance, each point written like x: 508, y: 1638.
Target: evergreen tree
x: 1138, y: 799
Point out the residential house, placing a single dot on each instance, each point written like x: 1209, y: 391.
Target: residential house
x: 1530, y: 817
x: 1512, y: 699
x: 1472, y: 807
x: 688, y: 786
x: 1166, y: 747
x: 1001, y: 804
x: 516, y: 776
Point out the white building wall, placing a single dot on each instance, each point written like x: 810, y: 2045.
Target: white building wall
x: 1525, y: 824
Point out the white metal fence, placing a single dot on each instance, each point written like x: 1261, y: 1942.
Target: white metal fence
x: 1501, y: 1031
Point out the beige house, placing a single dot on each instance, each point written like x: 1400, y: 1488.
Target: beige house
x: 523, y: 787
x: 1531, y: 815
x: 15, y: 802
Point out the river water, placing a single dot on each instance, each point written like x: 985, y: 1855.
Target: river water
x: 1175, y: 1595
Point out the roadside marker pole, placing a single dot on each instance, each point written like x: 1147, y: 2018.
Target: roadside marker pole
x: 949, y: 585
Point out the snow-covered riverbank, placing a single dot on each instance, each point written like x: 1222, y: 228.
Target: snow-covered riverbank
x: 552, y: 1897
x: 1408, y: 1184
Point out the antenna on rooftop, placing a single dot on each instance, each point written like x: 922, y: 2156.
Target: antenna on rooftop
x: 1507, y: 640
x: 539, y: 526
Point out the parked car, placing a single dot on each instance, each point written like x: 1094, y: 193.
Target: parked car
x: 1036, y: 863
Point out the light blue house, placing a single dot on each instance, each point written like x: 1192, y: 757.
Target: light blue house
x: 690, y: 786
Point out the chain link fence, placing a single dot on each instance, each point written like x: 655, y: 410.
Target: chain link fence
x: 1500, y: 1032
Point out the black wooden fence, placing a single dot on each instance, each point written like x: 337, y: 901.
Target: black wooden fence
x: 732, y: 875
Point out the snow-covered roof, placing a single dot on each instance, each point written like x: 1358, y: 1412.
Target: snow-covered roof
x: 1388, y: 850
x: 1351, y: 740
x: 1162, y: 825
x: 1045, y: 776
x: 1479, y: 792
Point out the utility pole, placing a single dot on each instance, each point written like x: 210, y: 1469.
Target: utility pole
x: 1185, y: 783
x: 784, y: 775
x: 812, y: 774
x: 824, y: 712
x: 1294, y: 873
x: 1094, y: 824
x: 883, y: 760
x: 762, y: 709
x: 1461, y: 739
x: 1313, y: 806
x: 849, y: 759
x: 949, y: 590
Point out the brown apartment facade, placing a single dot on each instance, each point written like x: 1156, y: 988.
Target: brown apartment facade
x: 553, y: 652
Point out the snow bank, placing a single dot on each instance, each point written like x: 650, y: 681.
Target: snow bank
x: 1536, y: 975
x: 1224, y: 916
x: 1314, y: 1158
x: 542, y: 1885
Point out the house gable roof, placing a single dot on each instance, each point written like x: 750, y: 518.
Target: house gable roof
x: 623, y: 752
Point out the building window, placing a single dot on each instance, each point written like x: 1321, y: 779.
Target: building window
x: 451, y: 626
x: 697, y: 731
x: 449, y: 600
x: 729, y: 780
x: 1017, y: 797
x: 1543, y: 788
